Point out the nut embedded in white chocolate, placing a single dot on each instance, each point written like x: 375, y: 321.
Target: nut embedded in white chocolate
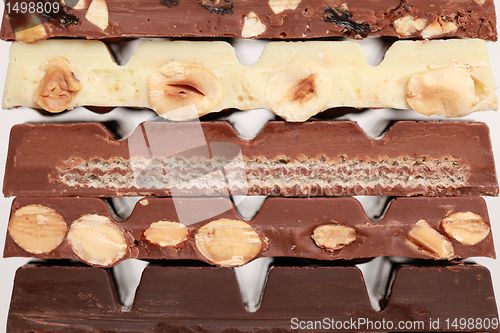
x: 58, y: 86
x: 300, y: 91
x: 448, y: 92
x: 177, y: 85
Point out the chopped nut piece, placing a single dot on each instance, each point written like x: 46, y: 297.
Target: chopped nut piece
x: 299, y: 92
x: 228, y: 242
x: 448, y: 26
x: 438, y: 27
x: 177, y: 85
x: 429, y: 241
x: 96, y: 240
x: 32, y: 34
x: 33, y: 31
x: 448, y: 92
x: 252, y: 26
x: 466, y: 227
x: 57, y: 87
x: 333, y: 237
x: 406, y: 26
x: 37, y: 229
x: 278, y: 6
x: 98, y: 14
x: 165, y: 233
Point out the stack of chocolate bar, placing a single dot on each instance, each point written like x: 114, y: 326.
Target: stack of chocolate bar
x: 188, y: 168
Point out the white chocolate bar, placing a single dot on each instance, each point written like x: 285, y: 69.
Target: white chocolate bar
x: 295, y: 80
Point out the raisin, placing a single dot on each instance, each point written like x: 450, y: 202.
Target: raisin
x: 218, y: 6
x: 343, y: 18
x: 169, y: 3
x: 61, y: 17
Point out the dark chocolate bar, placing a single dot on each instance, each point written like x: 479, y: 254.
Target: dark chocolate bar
x: 210, y: 229
x: 276, y: 19
x: 210, y: 158
x: 207, y: 299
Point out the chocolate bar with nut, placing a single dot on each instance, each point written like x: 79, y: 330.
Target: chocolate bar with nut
x: 210, y: 229
x: 450, y: 78
x: 288, y: 159
x: 275, y: 19
x: 187, y: 299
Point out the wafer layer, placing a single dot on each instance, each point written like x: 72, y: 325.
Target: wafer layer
x: 210, y: 158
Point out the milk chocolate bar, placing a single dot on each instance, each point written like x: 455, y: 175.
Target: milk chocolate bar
x: 289, y: 159
x: 188, y: 299
x: 295, y: 80
x: 276, y: 19
x: 210, y: 229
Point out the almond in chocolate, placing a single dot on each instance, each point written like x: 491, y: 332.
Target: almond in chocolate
x: 210, y: 230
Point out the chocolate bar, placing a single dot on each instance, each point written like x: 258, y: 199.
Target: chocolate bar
x: 210, y: 229
x: 289, y: 159
x: 296, y: 81
x: 188, y: 299
x: 276, y: 19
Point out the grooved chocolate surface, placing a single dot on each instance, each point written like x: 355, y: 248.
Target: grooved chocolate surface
x: 310, y: 19
x: 285, y: 225
x: 191, y: 300
x: 210, y: 158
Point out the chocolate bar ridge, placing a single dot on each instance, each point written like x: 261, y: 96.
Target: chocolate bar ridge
x: 262, y: 19
x: 210, y: 158
x: 284, y: 227
x: 190, y: 301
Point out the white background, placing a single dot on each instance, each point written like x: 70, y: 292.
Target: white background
x: 248, y: 52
